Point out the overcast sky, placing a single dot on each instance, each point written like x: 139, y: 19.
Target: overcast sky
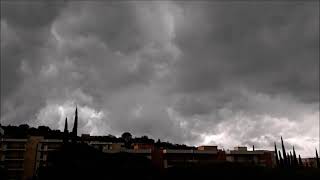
x: 225, y: 74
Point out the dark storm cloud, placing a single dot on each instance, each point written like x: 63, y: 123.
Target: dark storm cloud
x: 269, y: 48
x: 76, y: 53
x: 23, y: 28
x: 24, y: 32
x: 252, y: 58
x: 31, y: 15
x: 212, y: 73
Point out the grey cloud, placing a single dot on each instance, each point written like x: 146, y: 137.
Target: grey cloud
x: 30, y: 15
x: 268, y: 48
x: 178, y: 71
x: 111, y: 23
x: 24, y: 29
x: 24, y: 32
x: 69, y: 61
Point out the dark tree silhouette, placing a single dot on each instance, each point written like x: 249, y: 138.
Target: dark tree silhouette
x: 285, y: 159
x: 127, y: 137
x: 295, y: 158
x: 281, y: 160
x: 317, y: 159
x: 291, y: 160
x: 276, y: 154
x: 288, y: 160
x: 300, y: 161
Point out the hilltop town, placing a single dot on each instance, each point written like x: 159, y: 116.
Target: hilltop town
x: 28, y: 152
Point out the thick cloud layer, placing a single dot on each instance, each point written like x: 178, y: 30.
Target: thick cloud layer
x: 196, y: 73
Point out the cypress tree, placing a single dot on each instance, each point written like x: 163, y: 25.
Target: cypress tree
x: 281, y: 160
x: 295, y: 158
x: 291, y: 160
x: 300, y: 161
x: 288, y: 160
x: 276, y: 153
x: 284, y: 153
x: 317, y: 159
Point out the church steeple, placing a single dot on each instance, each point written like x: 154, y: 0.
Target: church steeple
x: 75, y: 125
x: 66, y: 126
x: 65, y: 131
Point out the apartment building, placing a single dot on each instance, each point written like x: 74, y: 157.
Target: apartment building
x: 182, y: 158
x: 46, y: 147
x: 309, y: 162
x: 256, y: 157
x: 22, y: 157
x: 12, y: 156
x: 143, y: 146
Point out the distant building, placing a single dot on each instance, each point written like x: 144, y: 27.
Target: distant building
x: 183, y: 158
x: 44, y: 148
x: 143, y: 146
x: 106, y: 146
x: 147, y: 153
x: 12, y: 156
x: 257, y: 157
x: 208, y: 148
x: 22, y: 157
x: 309, y: 162
x: 241, y: 148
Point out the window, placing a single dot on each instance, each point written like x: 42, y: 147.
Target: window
x: 15, y: 145
x: 14, y: 155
